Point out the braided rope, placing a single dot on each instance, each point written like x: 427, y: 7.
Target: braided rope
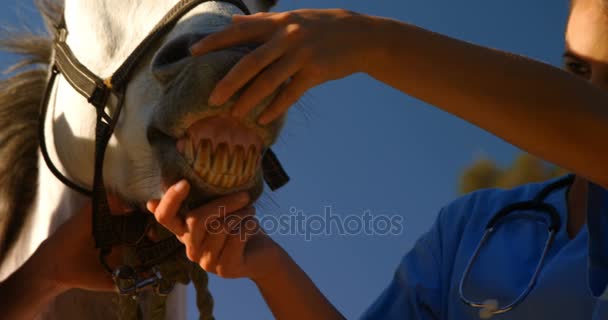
x: 177, y: 269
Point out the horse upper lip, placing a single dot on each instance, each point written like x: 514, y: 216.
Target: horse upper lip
x: 176, y: 50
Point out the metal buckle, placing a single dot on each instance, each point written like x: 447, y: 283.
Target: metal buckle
x: 129, y: 282
x: 61, y: 33
x: 99, y: 97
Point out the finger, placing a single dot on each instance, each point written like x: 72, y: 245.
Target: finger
x: 152, y: 205
x: 237, y: 18
x: 266, y: 83
x: 218, y: 208
x: 236, y: 221
x: 117, y: 205
x: 287, y: 97
x: 231, y: 259
x: 211, y: 217
x: 242, y: 213
x: 96, y: 280
x: 246, y: 69
x: 197, y: 230
x: 247, y: 32
x: 194, y: 250
x: 166, y: 212
x: 212, y: 248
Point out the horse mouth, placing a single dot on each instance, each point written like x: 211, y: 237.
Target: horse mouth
x: 221, y: 152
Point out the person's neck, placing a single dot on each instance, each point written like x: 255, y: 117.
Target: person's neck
x: 577, y: 206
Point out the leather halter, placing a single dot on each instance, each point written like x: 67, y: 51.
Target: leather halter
x: 111, y: 230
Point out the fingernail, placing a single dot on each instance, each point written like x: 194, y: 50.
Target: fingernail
x: 264, y: 119
x: 195, y: 49
x: 214, y: 99
x: 237, y: 113
x: 181, y: 186
x: 150, y: 206
x: 237, y: 17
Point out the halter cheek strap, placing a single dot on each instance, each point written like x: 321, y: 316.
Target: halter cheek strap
x: 109, y: 230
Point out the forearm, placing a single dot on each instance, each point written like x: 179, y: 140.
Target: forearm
x: 535, y: 106
x: 29, y: 289
x: 291, y: 294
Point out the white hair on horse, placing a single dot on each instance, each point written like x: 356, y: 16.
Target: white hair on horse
x: 165, y: 102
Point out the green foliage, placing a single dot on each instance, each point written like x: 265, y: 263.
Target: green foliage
x: 485, y: 173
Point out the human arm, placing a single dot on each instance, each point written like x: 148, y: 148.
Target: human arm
x: 67, y: 259
x: 224, y: 238
x: 242, y: 249
x: 29, y: 289
x: 535, y: 106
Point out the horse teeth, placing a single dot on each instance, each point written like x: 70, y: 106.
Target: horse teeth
x: 202, y: 164
x: 231, y: 181
x: 228, y: 181
x: 213, y: 177
x: 241, y: 180
x: 222, y: 159
x: 223, y: 181
x: 189, y: 151
x: 251, y: 162
x: 223, y: 167
x: 236, y: 167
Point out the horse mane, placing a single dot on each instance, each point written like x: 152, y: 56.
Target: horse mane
x: 20, y: 96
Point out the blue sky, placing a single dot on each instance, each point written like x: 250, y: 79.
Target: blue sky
x: 366, y: 146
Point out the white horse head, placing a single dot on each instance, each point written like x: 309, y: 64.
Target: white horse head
x: 166, y: 103
x: 166, y: 130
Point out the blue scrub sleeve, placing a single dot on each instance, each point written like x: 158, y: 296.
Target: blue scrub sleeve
x: 597, y: 226
x: 415, y: 291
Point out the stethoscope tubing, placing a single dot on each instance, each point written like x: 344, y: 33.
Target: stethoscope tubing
x: 537, y: 204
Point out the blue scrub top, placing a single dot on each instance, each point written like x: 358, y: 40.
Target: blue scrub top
x: 571, y: 284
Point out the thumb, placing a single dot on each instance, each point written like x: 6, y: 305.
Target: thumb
x: 238, y: 18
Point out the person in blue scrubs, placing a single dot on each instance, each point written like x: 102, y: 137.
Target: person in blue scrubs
x: 560, y: 116
x: 507, y: 96
x: 571, y: 283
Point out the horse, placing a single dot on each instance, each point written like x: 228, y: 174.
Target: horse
x: 166, y: 130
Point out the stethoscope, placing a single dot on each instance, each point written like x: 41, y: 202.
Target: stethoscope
x: 490, y: 308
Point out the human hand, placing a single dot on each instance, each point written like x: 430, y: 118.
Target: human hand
x: 222, y: 236
x: 300, y: 49
x: 71, y: 253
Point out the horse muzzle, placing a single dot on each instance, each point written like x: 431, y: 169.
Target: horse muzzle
x: 217, y: 153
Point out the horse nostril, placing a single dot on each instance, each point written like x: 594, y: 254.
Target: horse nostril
x: 176, y: 50
x: 167, y: 63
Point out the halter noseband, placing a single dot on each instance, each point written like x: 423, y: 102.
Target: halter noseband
x: 109, y: 230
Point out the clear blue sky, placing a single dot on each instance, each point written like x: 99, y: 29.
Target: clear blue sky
x: 369, y: 147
